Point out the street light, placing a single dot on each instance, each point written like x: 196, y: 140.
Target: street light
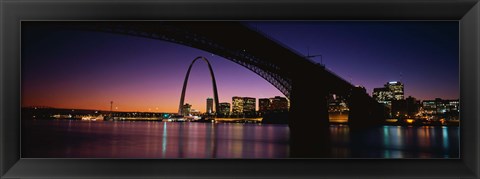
x: 313, y: 56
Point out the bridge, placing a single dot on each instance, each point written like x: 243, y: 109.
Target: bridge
x: 307, y: 84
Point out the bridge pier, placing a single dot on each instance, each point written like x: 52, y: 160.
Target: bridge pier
x: 309, y: 121
x: 364, y: 111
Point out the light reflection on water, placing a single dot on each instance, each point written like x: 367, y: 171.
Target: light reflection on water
x: 123, y: 139
x: 396, y: 142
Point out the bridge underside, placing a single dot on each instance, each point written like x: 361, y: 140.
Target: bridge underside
x: 306, y: 83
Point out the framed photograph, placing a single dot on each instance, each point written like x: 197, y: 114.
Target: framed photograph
x: 215, y: 89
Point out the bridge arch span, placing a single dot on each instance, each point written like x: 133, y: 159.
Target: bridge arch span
x: 274, y: 69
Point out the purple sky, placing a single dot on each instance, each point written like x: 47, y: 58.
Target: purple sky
x: 79, y: 69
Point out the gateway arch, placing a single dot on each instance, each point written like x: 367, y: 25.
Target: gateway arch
x: 185, y: 82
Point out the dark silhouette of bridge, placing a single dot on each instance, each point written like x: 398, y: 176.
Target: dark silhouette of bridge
x: 307, y: 84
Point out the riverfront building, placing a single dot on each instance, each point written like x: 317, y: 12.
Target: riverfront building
x: 390, y: 92
x: 186, y: 109
x: 263, y: 105
x: 224, y: 109
x: 209, y: 106
x: 275, y: 104
x: 243, y: 105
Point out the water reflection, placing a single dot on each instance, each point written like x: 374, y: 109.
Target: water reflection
x: 122, y: 139
x: 164, y: 140
x: 404, y: 142
x: 445, y: 139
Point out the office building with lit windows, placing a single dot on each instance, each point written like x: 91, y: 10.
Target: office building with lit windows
x: 396, y: 88
x: 440, y: 106
x: 275, y: 104
x: 237, y: 105
x: 243, y: 105
x: 209, y: 106
x: 263, y: 105
x: 391, y: 91
x: 249, y: 105
x: 429, y: 107
x: 382, y: 94
x: 224, y: 109
x: 278, y: 103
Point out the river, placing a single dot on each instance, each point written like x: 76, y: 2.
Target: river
x: 143, y: 139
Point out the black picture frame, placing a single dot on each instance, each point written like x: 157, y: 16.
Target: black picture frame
x: 467, y: 12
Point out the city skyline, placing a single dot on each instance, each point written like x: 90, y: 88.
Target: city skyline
x: 258, y: 103
x: 79, y: 69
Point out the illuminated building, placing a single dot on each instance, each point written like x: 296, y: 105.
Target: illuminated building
x: 337, y: 104
x: 275, y: 104
x: 396, y: 88
x: 237, y: 105
x: 429, y: 107
x: 452, y: 105
x: 243, y: 105
x: 224, y: 108
x: 209, y: 106
x: 263, y: 105
x: 278, y: 104
x: 186, y: 109
x: 441, y: 107
x: 391, y: 91
x: 249, y: 105
x: 383, y: 95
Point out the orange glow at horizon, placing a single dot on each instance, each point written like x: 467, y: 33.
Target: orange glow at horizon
x: 146, y: 95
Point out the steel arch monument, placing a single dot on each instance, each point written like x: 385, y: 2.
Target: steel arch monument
x: 214, y: 83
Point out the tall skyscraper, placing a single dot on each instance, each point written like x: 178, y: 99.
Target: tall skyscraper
x: 396, y: 88
x: 391, y: 91
x: 384, y: 96
x: 209, y: 106
x: 224, y: 109
x: 237, y: 105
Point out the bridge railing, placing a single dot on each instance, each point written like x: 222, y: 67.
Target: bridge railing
x: 249, y: 26
x: 278, y: 42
